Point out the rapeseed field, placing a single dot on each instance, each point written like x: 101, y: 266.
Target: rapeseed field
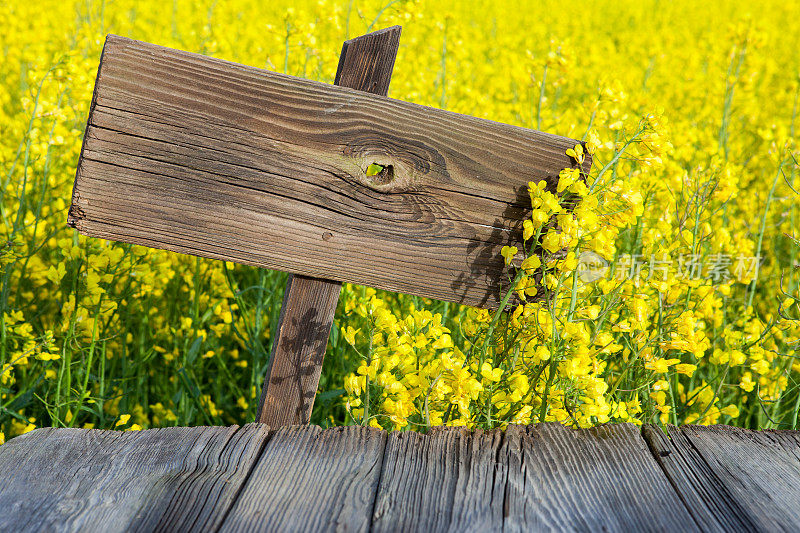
x: 669, y: 295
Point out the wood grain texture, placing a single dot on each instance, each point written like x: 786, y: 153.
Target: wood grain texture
x: 366, y: 62
x: 600, y: 479
x: 733, y: 479
x: 312, y: 480
x: 309, y: 304
x: 418, y: 482
x: 448, y: 480
x: 482, y: 478
x: 206, y: 157
x: 175, y: 479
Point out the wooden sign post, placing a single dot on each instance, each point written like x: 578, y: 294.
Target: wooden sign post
x: 304, y: 326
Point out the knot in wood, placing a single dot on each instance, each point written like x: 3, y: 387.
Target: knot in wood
x: 401, y: 162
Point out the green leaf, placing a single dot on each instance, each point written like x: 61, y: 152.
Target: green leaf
x: 374, y: 169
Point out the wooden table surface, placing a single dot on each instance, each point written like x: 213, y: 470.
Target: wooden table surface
x: 301, y: 478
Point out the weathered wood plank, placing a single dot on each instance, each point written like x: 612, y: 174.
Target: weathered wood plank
x: 179, y: 479
x: 733, y: 479
x: 309, y: 304
x: 448, y: 480
x: 211, y: 158
x: 480, y: 488
x: 308, y: 479
x: 418, y: 482
x: 600, y: 479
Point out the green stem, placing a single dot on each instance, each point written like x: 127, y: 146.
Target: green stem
x: 761, y: 231
x: 541, y: 99
x: 496, y: 318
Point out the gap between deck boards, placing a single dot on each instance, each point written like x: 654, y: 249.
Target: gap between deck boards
x: 252, y: 467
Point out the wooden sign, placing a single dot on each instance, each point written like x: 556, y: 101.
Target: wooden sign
x: 211, y: 158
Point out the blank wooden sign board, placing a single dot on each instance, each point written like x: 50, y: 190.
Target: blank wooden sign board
x: 205, y: 157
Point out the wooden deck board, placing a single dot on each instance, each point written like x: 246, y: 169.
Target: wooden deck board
x: 418, y: 482
x: 176, y: 479
x: 300, y: 478
x: 481, y: 485
x: 602, y: 479
x: 308, y: 479
x: 732, y: 479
